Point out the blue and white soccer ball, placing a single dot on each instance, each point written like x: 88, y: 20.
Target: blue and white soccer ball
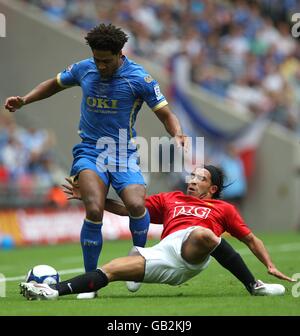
x: 43, y: 274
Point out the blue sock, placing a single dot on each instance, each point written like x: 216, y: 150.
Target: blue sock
x: 139, y: 228
x: 91, y: 244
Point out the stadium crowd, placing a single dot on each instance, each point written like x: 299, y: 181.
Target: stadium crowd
x: 28, y: 166
x: 239, y: 50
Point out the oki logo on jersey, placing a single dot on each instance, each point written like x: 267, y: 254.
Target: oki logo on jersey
x: 102, y: 103
x: 200, y: 212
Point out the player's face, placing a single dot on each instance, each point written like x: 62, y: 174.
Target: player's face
x: 106, y: 62
x: 200, y: 185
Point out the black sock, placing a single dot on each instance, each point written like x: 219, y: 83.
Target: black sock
x: 88, y: 282
x: 232, y: 261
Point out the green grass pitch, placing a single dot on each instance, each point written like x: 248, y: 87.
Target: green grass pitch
x: 213, y: 292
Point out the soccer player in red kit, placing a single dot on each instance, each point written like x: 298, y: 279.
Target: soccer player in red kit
x: 192, y: 226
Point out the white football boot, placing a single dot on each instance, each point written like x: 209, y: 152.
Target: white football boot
x: 87, y: 296
x: 263, y: 289
x: 35, y: 291
x: 133, y: 286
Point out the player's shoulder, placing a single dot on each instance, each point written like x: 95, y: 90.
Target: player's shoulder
x: 81, y: 68
x: 85, y: 64
x: 167, y: 194
x: 82, y: 65
x: 227, y: 206
x: 172, y: 194
x: 137, y: 71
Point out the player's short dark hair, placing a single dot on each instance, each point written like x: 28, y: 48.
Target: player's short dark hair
x: 106, y: 37
x: 217, y: 178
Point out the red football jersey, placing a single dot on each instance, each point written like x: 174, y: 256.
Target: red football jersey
x: 177, y: 211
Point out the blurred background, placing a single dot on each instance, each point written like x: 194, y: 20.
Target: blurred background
x: 230, y: 71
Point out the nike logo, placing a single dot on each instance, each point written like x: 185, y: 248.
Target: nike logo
x: 69, y: 285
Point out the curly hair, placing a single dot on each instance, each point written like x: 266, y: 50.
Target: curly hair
x: 106, y: 37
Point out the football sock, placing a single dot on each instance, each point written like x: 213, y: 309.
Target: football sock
x: 232, y: 261
x: 91, y: 244
x: 139, y: 228
x: 87, y: 282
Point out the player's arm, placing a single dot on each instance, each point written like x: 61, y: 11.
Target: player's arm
x: 172, y: 125
x: 258, y: 248
x: 153, y: 203
x: 73, y: 192
x: 43, y: 90
x: 115, y: 207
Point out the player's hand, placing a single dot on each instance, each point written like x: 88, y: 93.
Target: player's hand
x: 274, y: 271
x: 182, y: 140
x: 14, y: 103
x: 71, y: 190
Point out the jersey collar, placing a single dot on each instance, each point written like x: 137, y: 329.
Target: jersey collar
x: 122, y: 68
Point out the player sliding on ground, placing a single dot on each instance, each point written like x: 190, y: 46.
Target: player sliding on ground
x: 192, y: 226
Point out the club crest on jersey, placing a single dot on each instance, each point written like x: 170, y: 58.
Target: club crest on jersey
x: 148, y: 79
x: 189, y: 210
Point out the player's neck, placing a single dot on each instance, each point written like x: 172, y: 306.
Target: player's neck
x: 121, y: 61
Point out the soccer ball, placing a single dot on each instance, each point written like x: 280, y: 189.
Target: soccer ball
x: 43, y: 274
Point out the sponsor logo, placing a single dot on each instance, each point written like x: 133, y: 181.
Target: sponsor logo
x: 102, y: 103
x: 158, y: 94
x: 200, y: 212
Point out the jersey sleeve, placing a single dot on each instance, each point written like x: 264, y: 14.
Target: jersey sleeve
x: 149, y: 90
x: 155, y: 206
x: 69, y: 77
x: 235, y: 224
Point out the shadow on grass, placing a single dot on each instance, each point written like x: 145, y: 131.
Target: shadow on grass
x: 163, y: 296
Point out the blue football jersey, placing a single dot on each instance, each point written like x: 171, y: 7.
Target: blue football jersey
x: 109, y: 105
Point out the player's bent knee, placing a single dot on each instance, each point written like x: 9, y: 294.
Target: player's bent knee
x: 94, y: 214
x: 136, y: 209
x: 131, y: 268
x: 205, y: 238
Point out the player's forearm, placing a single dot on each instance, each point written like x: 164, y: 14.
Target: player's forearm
x: 115, y: 207
x: 42, y: 91
x: 169, y: 120
x: 172, y: 125
x: 259, y: 250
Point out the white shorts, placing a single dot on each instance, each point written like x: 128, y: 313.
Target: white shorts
x: 164, y: 263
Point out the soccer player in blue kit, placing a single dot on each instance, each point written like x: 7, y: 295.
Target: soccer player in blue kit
x: 113, y: 91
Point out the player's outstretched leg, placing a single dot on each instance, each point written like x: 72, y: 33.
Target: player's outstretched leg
x: 87, y: 282
x: 133, y: 286
x: 120, y: 269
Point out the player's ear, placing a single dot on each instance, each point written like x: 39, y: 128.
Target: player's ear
x: 213, y: 189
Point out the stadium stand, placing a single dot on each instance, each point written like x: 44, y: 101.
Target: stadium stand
x: 29, y: 172
x: 162, y: 29
x: 241, y: 50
